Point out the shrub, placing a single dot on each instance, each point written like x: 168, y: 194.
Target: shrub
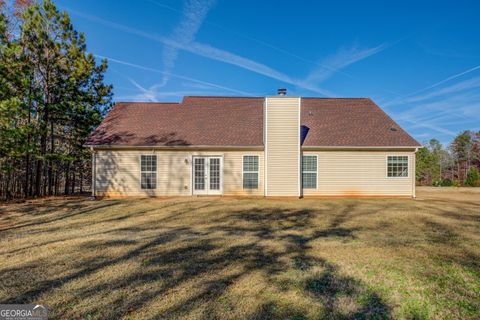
x: 437, y: 183
x: 456, y: 183
x: 472, y: 177
x: 446, y: 182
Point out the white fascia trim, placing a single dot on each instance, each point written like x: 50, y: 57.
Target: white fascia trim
x: 352, y: 147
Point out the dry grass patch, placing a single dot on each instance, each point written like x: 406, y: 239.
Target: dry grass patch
x: 246, y: 259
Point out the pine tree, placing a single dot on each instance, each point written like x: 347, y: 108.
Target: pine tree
x: 52, y: 95
x: 14, y: 124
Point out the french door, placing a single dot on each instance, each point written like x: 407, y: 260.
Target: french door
x: 207, y: 175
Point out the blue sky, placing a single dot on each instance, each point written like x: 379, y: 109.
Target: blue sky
x: 419, y: 60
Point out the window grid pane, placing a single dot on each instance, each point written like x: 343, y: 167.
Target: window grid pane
x: 250, y: 172
x: 149, y: 180
x: 148, y: 165
x: 309, y: 172
x: 309, y: 163
x: 250, y: 180
x: 250, y: 163
x: 397, y: 166
x: 309, y: 180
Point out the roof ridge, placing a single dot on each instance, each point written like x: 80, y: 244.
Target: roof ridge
x: 236, y: 97
x: 146, y: 102
x: 342, y: 98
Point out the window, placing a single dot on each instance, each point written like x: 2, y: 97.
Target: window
x: 309, y: 172
x: 148, y: 172
x: 397, y: 166
x: 250, y: 172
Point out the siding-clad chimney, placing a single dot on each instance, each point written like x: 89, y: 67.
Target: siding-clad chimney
x: 282, y: 146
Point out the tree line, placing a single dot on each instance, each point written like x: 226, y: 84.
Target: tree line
x: 456, y: 165
x: 52, y: 94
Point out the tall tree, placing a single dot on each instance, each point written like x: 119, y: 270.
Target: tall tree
x: 14, y: 126
x: 51, y: 88
x: 462, y: 150
x: 68, y: 79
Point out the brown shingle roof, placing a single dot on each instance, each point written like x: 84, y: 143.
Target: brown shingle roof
x: 199, y: 121
x: 352, y: 122
x: 238, y: 121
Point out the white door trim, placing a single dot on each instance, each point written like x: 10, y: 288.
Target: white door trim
x: 207, y: 175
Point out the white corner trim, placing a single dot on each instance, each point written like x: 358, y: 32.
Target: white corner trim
x: 299, y: 128
x: 265, y: 153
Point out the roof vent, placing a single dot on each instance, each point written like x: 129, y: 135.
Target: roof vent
x: 393, y: 129
x: 282, y: 91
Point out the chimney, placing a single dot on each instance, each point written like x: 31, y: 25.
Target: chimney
x: 282, y: 91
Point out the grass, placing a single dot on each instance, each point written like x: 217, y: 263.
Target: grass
x: 245, y: 258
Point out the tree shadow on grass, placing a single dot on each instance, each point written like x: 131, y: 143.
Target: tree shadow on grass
x: 81, y: 211
x: 209, y: 255
x: 345, y: 297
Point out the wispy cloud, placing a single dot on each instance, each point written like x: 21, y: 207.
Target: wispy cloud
x: 157, y: 93
x: 458, y: 87
x: 446, y: 80
x: 441, y: 114
x: 254, y: 39
x: 149, y: 94
x: 202, y: 82
x: 449, y: 52
x: 341, y: 59
x: 193, y: 15
x: 210, y: 52
x: 447, y: 106
x: 402, y: 99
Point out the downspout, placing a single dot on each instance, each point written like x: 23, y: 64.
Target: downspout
x: 414, y: 178
x: 94, y: 171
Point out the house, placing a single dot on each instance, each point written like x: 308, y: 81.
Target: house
x: 279, y: 146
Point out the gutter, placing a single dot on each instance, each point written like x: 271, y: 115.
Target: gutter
x: 106, y: 146
x: 360, y: 147
x: 193, y: 147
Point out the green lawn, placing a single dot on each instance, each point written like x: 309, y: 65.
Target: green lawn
x: 246, y: 259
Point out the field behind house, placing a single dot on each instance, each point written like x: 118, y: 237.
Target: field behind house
x: 219, y: 258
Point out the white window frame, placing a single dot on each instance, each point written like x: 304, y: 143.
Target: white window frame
x: 302, y: 171
x: 257, y: 172
x: 408, y: 166
x: 156, y: 171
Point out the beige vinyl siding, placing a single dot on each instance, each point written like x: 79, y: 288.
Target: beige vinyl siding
x: 360, y: 173
x: 118, y: 172
x: 282, y: 146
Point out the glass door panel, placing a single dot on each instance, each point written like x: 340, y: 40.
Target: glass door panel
x: 214, y: 174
